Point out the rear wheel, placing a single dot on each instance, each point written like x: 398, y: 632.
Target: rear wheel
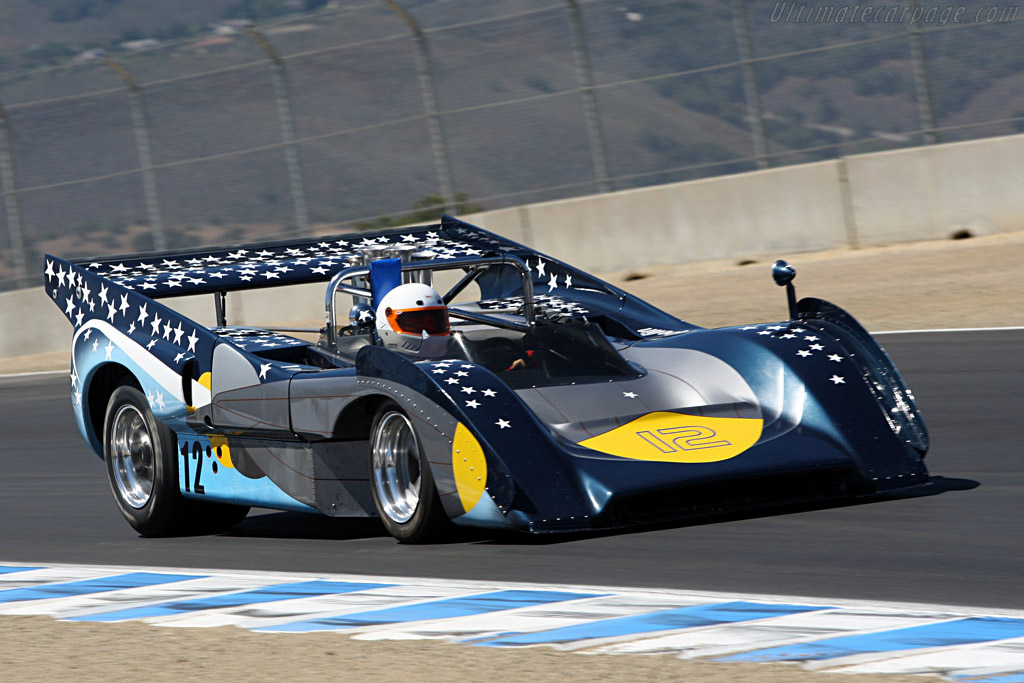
x: 142, y: 470
x: 403, y: 488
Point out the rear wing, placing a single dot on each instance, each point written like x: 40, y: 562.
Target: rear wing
x: 289, y: 262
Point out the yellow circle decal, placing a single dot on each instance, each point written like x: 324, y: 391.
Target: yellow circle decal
x: 675, y: 437
x: 469, y: 466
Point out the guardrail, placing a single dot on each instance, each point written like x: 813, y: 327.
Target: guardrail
x: 872, y: 199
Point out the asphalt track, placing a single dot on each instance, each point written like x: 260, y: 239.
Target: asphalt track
x: 964, y: 545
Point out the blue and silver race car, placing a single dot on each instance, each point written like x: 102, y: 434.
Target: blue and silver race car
x: 527, y: 396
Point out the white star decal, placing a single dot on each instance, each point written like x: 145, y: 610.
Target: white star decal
x: 809, y: 337
x: 109, y: 348
x: 816, y: 347
x: 553, y: 282
x: 263, y: 369
x: 103, y: 293
x: 438, y: 371
x: 836, y: 379
x: 96, y: 345
x: 177, y: 358
x: 192, y: 339
x: 70, y: 309
x: 764, y: 332
x: 503, y: 424
x: 452, y: 380
x: 49, y: 270
x: 160, y: 400
x: 131, y: 329
x: 78, y: 318
x: 167, y: 330
x: 462, y: 373
x: 568, y: 281
x: 151, y: 344
x: 749, y: 327
x: 111, y: 312
x: 178, y: 331
x: 143, y: 314
x: 124, y: 304
x: 155, y: 325
x: 803, y: 353
x: 540, y: 268
x: 60, y: 277
x: 468, y: 390
x: 489, y: 393
x: 835, y: 358
x: 629, y: 394
x: 472, y: 403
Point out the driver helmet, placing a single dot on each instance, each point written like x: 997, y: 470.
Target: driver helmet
x: 413, y: 319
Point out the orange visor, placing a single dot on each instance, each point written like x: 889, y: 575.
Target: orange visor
x: 433, y: 320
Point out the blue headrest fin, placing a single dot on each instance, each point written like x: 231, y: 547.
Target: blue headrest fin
x: 385, y: 275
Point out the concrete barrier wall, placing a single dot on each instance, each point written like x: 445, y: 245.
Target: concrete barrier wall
x: 883, y: 198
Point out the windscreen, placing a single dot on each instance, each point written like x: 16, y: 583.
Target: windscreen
x: 550, y: 355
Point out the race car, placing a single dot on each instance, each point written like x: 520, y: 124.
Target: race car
x: 527, y: 396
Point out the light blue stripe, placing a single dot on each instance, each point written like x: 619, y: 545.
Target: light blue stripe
x: 102, y: 584
x: 11, y: 570
x: 439, y: 609
x: 285, y: 591
x: 959, y: 632
x: 1015, y: 677
x: 665, y: 620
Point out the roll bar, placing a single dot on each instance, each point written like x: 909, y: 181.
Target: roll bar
x: 477, y: 265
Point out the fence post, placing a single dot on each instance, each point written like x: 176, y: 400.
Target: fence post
x: 591, y: 113
x: 285, y: 115
x: 156, y: 225
x: 429, y: 89
x: 924, y: 94
x: 8, y: 186
x: 746, y: 54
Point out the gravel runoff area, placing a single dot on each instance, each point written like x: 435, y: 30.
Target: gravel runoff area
x: 976, y: 282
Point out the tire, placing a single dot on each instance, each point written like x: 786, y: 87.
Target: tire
x: 403, y: 487
x: 142, y: 469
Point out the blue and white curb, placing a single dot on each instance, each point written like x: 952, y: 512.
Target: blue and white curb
x: 962, y: 644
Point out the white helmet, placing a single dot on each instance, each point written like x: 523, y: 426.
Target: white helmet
x: 413, y: 319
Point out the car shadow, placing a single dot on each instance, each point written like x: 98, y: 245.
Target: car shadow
x: 299, y: 525
x: 933, y: 487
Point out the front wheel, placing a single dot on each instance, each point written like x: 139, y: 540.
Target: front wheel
x: 403, y: 487
x: 142, y: 470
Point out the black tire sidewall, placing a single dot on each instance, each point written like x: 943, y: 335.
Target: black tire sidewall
x: 157, y: 516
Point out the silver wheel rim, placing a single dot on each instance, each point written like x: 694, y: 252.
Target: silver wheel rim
x: 131, y: 446
x: 396, y: 467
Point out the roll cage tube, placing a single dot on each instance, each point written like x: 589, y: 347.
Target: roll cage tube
x: 477, y: 265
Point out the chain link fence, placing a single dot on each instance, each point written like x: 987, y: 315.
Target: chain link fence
x: 370, y: 113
